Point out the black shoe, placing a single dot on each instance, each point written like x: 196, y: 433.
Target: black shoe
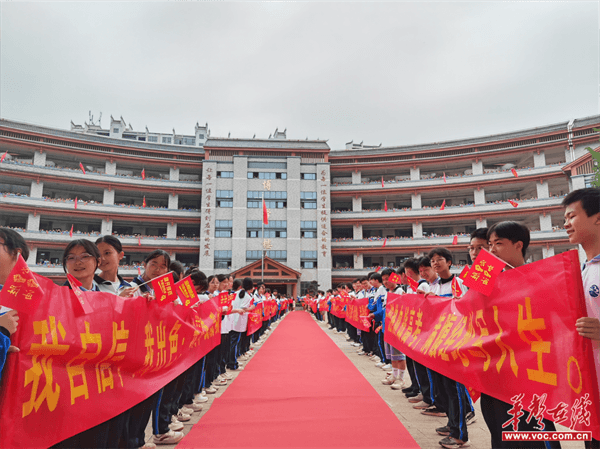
x: 444, y: 431
x: 407, y: 389
x: 411, y: 394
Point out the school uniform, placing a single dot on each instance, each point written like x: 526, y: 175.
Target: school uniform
x: 591, y: 287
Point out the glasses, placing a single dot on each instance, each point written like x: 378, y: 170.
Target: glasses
x: 85, y: 257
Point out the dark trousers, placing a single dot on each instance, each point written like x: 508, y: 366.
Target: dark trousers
x: 368, y: 341
x: 234, y: 341
x: 414, y: 383
x: 381, y: 347
x: 139, y: 415
x: 424, y: 382
x: 169, y: 404
x: 594, y: 444
x: 452, y: 397
x: 330, y: 319
x: 495, y: 413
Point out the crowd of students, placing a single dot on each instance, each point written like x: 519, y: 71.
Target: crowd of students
x: 429, y: 391
x: 95, y: 265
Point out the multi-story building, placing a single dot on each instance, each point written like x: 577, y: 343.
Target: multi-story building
x: 200, y: 197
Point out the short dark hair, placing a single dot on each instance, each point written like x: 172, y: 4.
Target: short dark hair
x: 90, y: 248
x: 222, y: 277
x: 411, y: 263
x: 401, y: 269
x: 424, y: 262
x: 198, y: 278
x: 112, y: 241
x: 479, y: 233
x: 590, y: 199
x: 177, y: 268
x: 364, y: 278
x: 159, y: 253
x: 14, y: 242
x: 247, y: 284
x: 511, y: 230
x: 376, y: 276
x: 386, y: 272
x: 441, y: 252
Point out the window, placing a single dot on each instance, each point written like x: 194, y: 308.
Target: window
x: 152, y: 138
x: 189, y: 141
x: 308, y: 200
x: 308, y: 259
x: 200, y: 136
x: 166, y: 140
x: 222, y: 259
x: 115, y: 130
x: 275, y: 229
x: 266, y: 175
x: 268, y: 165
x: 129, y: 136
x: 251, y: 256
x: 273, y: 200
x: 308, y: 176
x: 143, y: 139
x: 224, y: 198
x: 308, y: 229
x: 224, y: 174
x: 223, y: 228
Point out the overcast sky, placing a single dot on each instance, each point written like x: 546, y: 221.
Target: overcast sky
x: 391, y: 73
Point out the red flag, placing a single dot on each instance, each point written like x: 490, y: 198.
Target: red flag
x: 75, y: 202
x: 81, y: 167
x: 186, y: 291
x: 444, y: 176
x: 143, y: 173
x: 377, y: 269
x: 463, y: 274
x: 456, y: 290
x: 384, y: 243
x: 265, y: 213
x: 443, y: 205
x: 71, y: 232
x: 139, y: 271
x: 144, y: 202
x: 385, y: 208
x: 514, y: 172
x: 455, y: 240
x: 75, y: 284
x: 483, y: 273
x: 382, y: 185
x: 21, y: 291
x: 164, y: 290
x: 412, y: 283
x: 139, y: 241
x: 366, y: 321
x: 514, y: 203
x: 395, y: 278
x: 3, y: 156
x: 225, y: 299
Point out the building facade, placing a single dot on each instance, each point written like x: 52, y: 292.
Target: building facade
x: 200, y: 197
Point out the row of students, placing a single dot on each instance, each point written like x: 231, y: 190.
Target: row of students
x: 175, y: 402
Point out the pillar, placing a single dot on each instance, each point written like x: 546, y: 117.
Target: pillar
x: 481, y: 223
x: 109, y: 197
x: 477, y: 167
x: 479, y: 196
x: 356, y: 177
x: 174, y: 174
x: 31, y: 260
x: 357, y: 204
x: 417, y: 230
x: 416, y: 201
x: 172, y: 230
x: 39, y: 158
x: 415, y: 174
x: 173, y: 201
x: 106, y: 227
x: 33, y: 222
x: 37, y: 189
x: 110, y: 168
x: 357, y: 233
x: 539, y: 160
x: 577, y: 182
x: 547, y: 251
x: 542, y: 190
x: 358, y: 262
x: 545, y: 222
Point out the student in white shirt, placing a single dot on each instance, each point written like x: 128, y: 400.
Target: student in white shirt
x: 582, y: 223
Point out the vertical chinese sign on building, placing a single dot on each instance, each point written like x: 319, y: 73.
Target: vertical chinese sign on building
x: 208, y: 216
x: 323, y: 227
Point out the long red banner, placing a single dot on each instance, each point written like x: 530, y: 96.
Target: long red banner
x: 77, y: 370
x: 357, y: 308
x: 519, y: 344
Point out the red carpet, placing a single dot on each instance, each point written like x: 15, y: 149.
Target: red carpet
x: 299, y: 391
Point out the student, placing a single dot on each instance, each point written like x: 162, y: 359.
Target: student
x: 508, y: 241
x: 582, y: 223
x: 81, y: 259
x: 478, y: 242
x: 109, y: 280
x: 449, y: 396
x: 376, y: 302
x: 239, y: 321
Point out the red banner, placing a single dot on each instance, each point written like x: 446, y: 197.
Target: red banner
x: 519, y: 344
x: 164, y: 289
x: 107, y: 361
x: 255, y: 318
x: 323, y: 306
x: 357, y: 308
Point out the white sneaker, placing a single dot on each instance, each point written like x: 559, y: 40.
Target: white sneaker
x: 186, y: 410
x: 168, y: 438
x: 195, y: 407
x: 176, y: 427
x: 399, y: 385
x: 386, y: 367
x: 379, y: 364
x: 210, y: 390
x: 183, y: 416
x: 199, y: 399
